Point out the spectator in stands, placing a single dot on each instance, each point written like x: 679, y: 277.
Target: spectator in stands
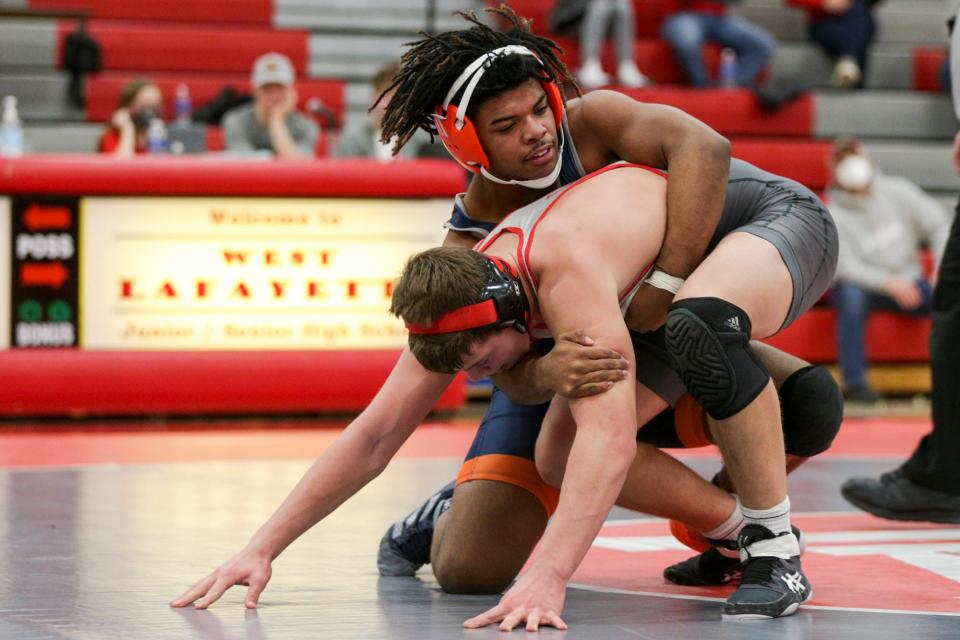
x: 882, y: 222
x: 361, y: 138
x: 589, y: 20
x: 844, y: 29
x: 271, y: 122
x: 696, y: 22
x: 927, y: 485
x: 140, y: 102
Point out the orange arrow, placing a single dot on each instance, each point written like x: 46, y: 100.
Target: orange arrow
x: 38, y: 217
x: 43, y: 274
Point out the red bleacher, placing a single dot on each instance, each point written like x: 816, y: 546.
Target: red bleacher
x: 926, y: 68
x: 648, y: 14
x: 214, y: 11
x: 734, y: 112
x: 891, y: 337
x: 802, y: 160
x: 160, y: 47
x: 653, y: 58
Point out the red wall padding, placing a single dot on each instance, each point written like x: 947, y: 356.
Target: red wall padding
x: 59, y: 382
x: 218, y: 11
x: 891, y: 337
x: 103, y: 89
x: 188, y: 48
x: 648, y: 14
x: 734, y: 112
x: 926, y: 68
x: 802, y: 160
x: 106, y: 175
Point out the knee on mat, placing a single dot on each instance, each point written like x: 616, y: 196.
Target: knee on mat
x: 471, y: 576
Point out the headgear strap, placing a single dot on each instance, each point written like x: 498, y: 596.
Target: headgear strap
x: 471, y: 77
x: 502, y: 304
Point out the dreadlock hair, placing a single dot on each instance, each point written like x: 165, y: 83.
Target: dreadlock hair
x: 429, y: 68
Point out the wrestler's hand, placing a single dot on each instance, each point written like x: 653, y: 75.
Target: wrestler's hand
x: 648, y: 309
x: 536, y: 599
x: 575, y: 368
x: 249, y: 567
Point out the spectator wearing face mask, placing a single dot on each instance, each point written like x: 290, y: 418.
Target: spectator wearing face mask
x: 140, y: 102
x: 883, y: 223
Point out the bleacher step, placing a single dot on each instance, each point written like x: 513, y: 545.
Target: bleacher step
x: 884, y: 114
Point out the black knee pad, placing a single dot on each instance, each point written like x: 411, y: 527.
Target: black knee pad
x: 709, y: 343
x: 812, y: 408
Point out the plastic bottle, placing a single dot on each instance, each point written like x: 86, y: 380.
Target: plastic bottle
x: 156, y: 136
x: 727, y: 76
x: 11, y: 133
x: 183, y: 105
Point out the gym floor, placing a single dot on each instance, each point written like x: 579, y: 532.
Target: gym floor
x: 103, y: 527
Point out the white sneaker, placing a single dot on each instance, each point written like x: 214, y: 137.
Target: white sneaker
x: 629, y: 76
x: 591, y: 75
x: 846, y: 73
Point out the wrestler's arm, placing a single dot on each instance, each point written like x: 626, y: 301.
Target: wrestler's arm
x: 355, y: 458
x: 575, y: 293
x: 573, y: 368
x: 696, y: 156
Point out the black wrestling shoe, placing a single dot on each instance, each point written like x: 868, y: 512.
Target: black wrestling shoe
x: 895, y: 497
x: 405, y: 547
x: 710, y: 568
x: 770, y: 587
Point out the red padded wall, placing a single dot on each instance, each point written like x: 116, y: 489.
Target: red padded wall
x: 160, y: 47
x: 214, y: 11
x: 58, y: 382
x: 926, y: 68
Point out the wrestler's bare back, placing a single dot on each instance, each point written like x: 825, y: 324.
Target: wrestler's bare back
x: 614, y: 220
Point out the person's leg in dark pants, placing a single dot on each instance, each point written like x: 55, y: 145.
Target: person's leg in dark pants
x: 933, y: 464
x: 848, y: 35
x: 852, y: 304
x: 927, y: 486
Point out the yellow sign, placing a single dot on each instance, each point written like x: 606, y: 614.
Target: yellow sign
x: 243, y: 273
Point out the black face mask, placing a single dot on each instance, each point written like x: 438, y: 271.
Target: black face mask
x: 142, y: 117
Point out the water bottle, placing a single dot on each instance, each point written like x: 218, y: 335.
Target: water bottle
x: 11, y: 133
x: 183, y: 106
x: 156, y: 136
x: 727, y: 77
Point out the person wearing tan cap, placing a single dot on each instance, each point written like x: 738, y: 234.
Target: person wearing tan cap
x: 271, y: 122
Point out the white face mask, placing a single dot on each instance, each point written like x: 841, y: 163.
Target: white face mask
x: 854, y: 173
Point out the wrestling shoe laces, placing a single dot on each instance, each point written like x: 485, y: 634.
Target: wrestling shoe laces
x: 715, y: 566
x: 773, y: 584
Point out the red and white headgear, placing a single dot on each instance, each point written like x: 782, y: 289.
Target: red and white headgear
x: 459, y: 135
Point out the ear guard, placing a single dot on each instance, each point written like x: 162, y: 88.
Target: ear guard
x: 502, y: 304
x: 458, y: 133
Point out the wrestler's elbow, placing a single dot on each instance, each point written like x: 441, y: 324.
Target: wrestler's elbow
x: 713, y: 148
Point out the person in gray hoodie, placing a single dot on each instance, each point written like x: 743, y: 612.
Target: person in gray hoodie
x: 883, y: 222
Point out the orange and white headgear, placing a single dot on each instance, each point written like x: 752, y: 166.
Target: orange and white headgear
x: 459, y: 135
